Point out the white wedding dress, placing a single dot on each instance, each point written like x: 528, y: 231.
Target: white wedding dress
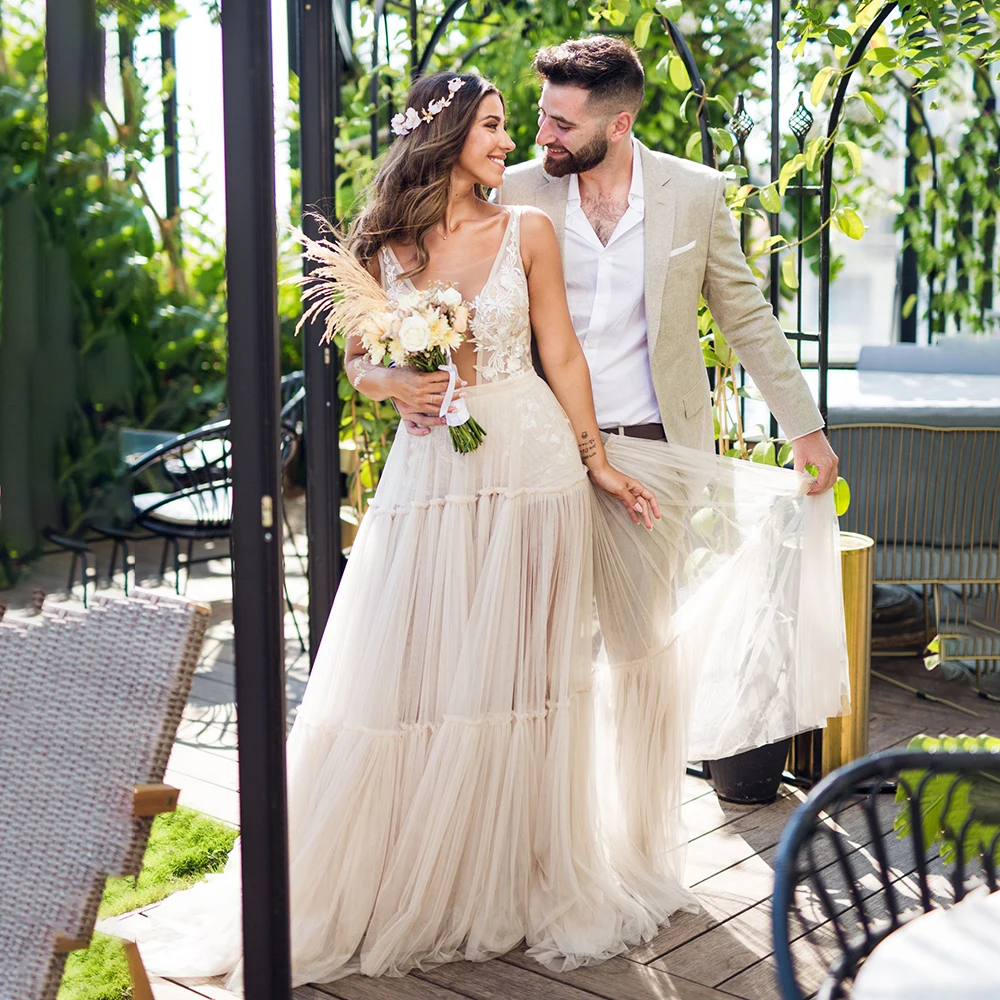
x: 473, y: 764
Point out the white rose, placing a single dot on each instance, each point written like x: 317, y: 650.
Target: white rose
x: 414, y: 334
x: 407, y: 302
x: 451, y: 297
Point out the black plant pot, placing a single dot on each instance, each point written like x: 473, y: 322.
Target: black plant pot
x: 751, y: 777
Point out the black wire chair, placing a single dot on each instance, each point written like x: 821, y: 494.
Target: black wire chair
x: 853, y: 865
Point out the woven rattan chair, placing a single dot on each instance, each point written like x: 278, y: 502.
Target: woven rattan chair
x: 91, y: 703
x: 930, y: 497
x: 845, y: 877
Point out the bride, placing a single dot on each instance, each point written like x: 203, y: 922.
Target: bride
x: 471, y: 765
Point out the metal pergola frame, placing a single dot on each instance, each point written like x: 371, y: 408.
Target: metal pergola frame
x: 319, y: 52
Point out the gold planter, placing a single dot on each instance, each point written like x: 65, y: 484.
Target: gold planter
x: 846, y: 738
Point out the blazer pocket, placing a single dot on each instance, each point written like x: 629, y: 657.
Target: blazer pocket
x: 684, y: 249
x: 694, y: 400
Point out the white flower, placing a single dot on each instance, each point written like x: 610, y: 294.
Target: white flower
x: 398, y: 124
x: 376, y: 352
x: 436, y: 107
x: 451, y: 297
x: 455, y: 84
x: 460, y: 321
x: 408, y: 302
x: 414, y: 334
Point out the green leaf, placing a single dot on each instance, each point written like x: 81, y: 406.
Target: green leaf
x: 854, y: 152
x: 678, y: 74
x: 908, y: 305
x: 839, y: 37
x: 785, y: 454
x: 885, y: 55
x: 873, y: 106
x: 763, y: 453
x: 756, y: 271
x: 722, y: 138
x: 811, y: 470
x: 849, y: 223
x: 789, y: 170
x: 813, y: 151
x: 693, y: 148
x: 841, y: 496
x: 722, y: 351
x: 670, y: 9
x: 769, y: 199
x: 820, y: 82
x: 788, y: 272
x: 642, y: 27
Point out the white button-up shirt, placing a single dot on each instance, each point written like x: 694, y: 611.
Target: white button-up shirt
x: 605, y: 286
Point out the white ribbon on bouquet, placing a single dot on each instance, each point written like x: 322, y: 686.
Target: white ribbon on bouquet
x: 461, y: 414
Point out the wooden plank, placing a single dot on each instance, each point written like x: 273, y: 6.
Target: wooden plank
x: 501, y: 981
x: 620, y: 979
x: 382, y: 988
x: 221, y: 803
x: 166, y: 989
x: 736, y: 889
x: 216, y: 766
x: 748, y: 834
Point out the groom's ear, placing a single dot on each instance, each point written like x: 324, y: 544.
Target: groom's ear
x: 621, y: 126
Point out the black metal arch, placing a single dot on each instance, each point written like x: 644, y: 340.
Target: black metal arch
x: 826, y: 189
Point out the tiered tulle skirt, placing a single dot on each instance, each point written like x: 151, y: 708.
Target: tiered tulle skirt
x: 473, y: 763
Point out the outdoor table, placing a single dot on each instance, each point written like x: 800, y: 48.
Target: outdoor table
x: 951, y: 953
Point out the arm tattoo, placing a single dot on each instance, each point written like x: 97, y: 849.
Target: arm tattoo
x: 587, y: 446
x: 361, y: 368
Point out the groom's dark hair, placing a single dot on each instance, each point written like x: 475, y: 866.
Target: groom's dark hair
x: 608, y: 68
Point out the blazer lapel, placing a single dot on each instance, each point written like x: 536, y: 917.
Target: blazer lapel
x: 658, y: 228
x: 550, y: 197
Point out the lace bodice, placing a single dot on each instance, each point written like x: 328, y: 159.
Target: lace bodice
x: 500, y: 325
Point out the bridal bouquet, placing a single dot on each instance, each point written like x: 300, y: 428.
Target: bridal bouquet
x: 417, y: 330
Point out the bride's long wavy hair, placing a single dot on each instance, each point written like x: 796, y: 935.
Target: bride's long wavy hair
x: 409, y: 193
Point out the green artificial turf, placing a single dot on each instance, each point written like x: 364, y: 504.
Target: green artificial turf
x: 183, y: 847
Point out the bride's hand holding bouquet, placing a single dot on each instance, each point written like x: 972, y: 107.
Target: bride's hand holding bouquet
x: 417, y: 332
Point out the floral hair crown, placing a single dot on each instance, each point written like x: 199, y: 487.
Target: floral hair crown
x: 403, y: 124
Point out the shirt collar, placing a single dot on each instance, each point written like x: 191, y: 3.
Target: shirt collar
x: 636, y: 194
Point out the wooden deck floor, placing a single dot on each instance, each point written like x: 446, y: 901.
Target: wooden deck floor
x: 723, y: 950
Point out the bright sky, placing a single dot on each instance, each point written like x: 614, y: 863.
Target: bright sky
x: 199, y: 93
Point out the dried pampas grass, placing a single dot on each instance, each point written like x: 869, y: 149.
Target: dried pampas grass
x: 339, y: 287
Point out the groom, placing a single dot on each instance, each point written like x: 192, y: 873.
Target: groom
x: 643, y: 234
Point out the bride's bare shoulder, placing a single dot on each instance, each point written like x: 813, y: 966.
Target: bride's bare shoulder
x: 536, y: 227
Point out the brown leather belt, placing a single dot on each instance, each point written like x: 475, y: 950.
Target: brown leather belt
x: 652, y: 432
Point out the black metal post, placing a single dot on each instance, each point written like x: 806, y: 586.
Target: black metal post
x: 826, y: 198
x: 126, y: 63
x: 697, y: 86
x: 908, y: 277
x: 258, y: 612
x: 294, y: 29
x: 378, y: 14
x: 171, y: 163
x: 74, y: 48
x: 319, y: 89
x: 774, y: 219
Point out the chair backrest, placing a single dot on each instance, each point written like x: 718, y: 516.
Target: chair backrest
x: 929, y: 496
x: 853, y: 863
x: 91, y: 704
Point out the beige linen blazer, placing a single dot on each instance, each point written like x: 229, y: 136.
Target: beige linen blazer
x: 692, y: 249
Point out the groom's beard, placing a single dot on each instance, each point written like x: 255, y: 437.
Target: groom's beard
x: 585, y: 158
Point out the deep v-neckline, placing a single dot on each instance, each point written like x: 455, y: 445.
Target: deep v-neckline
x: 490, y: 277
